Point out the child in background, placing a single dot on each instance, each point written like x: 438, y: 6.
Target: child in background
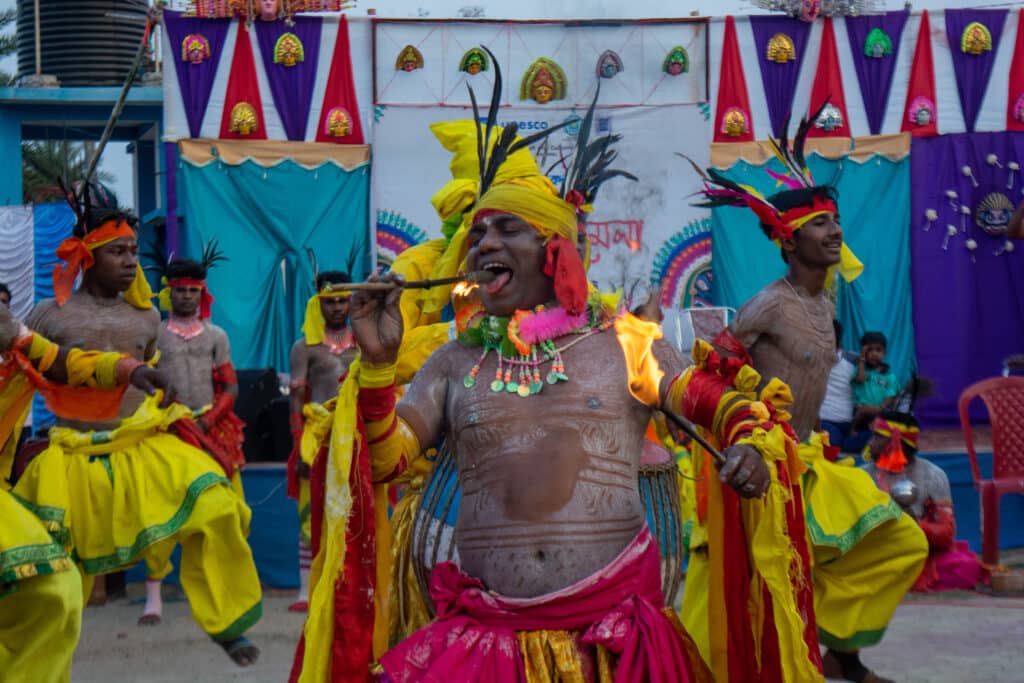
x: 836, y: 413
x: 875, y: 387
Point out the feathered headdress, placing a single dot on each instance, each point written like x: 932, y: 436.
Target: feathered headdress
x: 187, y: 273
x: 721, y: 191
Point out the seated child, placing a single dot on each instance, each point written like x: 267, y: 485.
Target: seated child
x: 892, y: 456
x: 875, y: 387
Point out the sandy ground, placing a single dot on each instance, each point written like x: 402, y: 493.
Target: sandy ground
x: 956, y: 638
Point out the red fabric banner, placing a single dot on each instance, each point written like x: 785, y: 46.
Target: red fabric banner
x: 828, y: 85
x: 340, y: 97
x: 921, y: 90
x: 243, y: 92
x: 1015, y: 104
x: 732, y: 111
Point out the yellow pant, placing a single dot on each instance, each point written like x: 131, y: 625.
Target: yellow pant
x: 866, y: 552
x: 136, y: 492
x: 39, y: 626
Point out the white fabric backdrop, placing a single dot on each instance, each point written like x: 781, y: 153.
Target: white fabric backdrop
x: 17, y: 257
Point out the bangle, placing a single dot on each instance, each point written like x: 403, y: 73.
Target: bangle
x: 377, y: 376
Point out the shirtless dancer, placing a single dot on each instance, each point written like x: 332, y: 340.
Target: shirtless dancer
x: 318, y: 361
x: 866, y: 552
x: 128, y: 488
x: 40, y: 588
x: 196, y: 354
x: 551, y: 529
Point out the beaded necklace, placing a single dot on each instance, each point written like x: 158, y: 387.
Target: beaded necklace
x: 524, y: 342
x: 338, y: 342
x: 186, y: 328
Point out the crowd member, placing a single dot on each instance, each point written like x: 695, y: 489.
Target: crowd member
x: 836, y: 412
x: 318, y: 361
x: 5, y: 295
x: 866, y: 551
x: 548, y: 564
x: 892, y: 458
x: 128, y: 488
x: 196, y: 355
x: 875, y: 387
x: 40, y: 588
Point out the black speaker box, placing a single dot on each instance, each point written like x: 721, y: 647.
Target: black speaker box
x: 257, y: 389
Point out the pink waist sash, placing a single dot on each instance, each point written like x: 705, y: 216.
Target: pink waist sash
x: 474, y: 636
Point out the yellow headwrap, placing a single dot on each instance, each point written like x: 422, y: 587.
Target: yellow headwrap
x: 453, y: 201
x: 314, y: 327
x: 536, y: 201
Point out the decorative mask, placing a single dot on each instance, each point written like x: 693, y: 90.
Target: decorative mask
x: 474, y: 61
x: 288, y: 50
x: 781, y: 49
x: 195, y: 48
x: 409, y: 59
x: 339, y: 123
x: 676, y: 62
x: 270, y: 10
x: 975, y: 39
x: 609, y: 64
x: 830, y: 118
x: 809, y: 10
x: 734, y: 122
x: 243, y: 119
x: 922, y: 111
x: 878, y: 44
x: 993, y: 213
x: 543, y: 82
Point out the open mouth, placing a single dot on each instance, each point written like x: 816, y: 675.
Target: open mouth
x: 502, y: 273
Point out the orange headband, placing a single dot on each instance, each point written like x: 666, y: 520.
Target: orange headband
x: 76, y: 253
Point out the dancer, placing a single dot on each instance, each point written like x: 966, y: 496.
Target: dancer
x: 318, y: 361
x: 40, y: 588
x: 551, y: 534
x: 196, y: 354
x: 866, y: 552
x: 128, y: 488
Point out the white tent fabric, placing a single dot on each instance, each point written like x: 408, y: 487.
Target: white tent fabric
x: 17, y: 257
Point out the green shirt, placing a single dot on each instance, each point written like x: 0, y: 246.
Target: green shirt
x: 877, y: 387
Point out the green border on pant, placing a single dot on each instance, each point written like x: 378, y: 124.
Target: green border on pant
x: 855, y: 642
x: 240, y: 625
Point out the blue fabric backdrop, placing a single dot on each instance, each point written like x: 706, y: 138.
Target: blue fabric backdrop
x: 53, y: 224
x: 874, y: 205
x: 268, y: 222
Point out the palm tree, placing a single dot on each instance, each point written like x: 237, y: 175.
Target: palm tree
x: 43, y: 161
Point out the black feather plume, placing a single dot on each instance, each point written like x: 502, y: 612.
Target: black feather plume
x: 212, y: 255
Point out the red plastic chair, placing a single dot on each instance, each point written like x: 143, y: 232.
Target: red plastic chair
x: 1004, y: 399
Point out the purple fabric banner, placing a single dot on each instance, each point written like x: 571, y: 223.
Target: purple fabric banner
x: 171, y: 192
x: 972, y: 70
x: 291, y: 86
x: 875, y: 59
x: 196, y: 46
x: 779, y: 78
x: 968, y: 312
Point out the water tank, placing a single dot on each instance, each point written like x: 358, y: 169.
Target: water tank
x: 83, y: 42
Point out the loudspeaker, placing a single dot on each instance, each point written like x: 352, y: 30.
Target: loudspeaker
x: 257, y: 388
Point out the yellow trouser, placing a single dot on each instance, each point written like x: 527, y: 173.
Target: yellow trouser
x: 866, y: 552
x: 39, y: 625
x: 136, y: 492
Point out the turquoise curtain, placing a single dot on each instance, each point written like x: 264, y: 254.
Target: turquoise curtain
x: 268, y: 222
x: 874, y: 206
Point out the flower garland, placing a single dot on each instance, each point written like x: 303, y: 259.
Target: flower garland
x: 524, y: 342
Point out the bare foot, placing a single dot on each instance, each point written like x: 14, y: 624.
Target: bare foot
x: 98, y: 597
x: 241, y: 651
x: 149, y: 620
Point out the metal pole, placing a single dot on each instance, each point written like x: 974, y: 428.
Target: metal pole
x: 39, y: 47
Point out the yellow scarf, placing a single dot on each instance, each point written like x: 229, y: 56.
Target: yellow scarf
x: 314, y: 327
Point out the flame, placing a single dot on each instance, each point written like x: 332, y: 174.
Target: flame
x: 636, y: 337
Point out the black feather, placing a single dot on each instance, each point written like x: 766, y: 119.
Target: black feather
x: 212, y: 254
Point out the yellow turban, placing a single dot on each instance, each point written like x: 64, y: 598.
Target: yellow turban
x: 536, y: 201
x: 314, y: 327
